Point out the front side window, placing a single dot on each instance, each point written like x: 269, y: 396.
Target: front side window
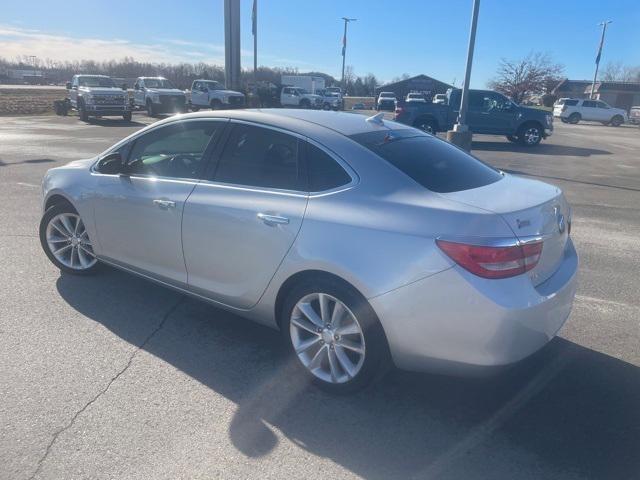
x: 260, y: 157
x: 174, y: 151
x: 433, y: 163
x: 602, y: 105
x: 589, y: 104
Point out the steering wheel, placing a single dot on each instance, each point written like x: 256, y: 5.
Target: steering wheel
x: 181, y: 165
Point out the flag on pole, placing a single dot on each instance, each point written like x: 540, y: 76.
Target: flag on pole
x: 254, y: 18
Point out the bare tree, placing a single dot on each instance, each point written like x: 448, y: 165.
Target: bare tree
x: 618, y: 72
x: 534, y: 74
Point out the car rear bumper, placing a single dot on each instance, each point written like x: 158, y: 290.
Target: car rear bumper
x: 455, y: 322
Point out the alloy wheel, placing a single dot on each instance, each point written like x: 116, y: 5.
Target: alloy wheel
x: 531, y: 135
x: 69, y: 243
x: 327, y: 338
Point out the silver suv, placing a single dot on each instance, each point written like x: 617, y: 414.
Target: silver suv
x: 573, y: 110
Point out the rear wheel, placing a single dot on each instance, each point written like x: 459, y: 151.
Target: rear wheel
x: 617, y: 121
x: 66, y: 242
x: 530, y: 134
x: 574, y: 118
x: 216, y: 104
x: 335, y: 335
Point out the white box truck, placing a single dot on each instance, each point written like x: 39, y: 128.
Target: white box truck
x: 309, y: 83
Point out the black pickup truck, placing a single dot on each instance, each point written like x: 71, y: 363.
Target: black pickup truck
x: 488, y: 112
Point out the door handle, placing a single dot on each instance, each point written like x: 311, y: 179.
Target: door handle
x: 164, y: 204
x: 273, y: 220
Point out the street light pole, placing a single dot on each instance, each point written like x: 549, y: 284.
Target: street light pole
x: 460, y: 135
x: 344, y: 48
x: 595, y: 75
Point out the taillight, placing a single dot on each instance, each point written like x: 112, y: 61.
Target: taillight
x: 494, y: 262
x: 564, y: 107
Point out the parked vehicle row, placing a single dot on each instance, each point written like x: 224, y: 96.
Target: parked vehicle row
x: 488, y: 112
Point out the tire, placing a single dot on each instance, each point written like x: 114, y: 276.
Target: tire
x: 305, y: 103
x: 151, y: 110
x: 513, y: 138
x: 76, y: 256
x: 127, y: 116
x: 427, y: 125
x: 216, y: 104
x: 82, y: 112
x: 574, y: 118
x: 616, y: 121
x: 564, y: 120
x: 338, y: 369
x: 194, y: 109
x: 530, y: 134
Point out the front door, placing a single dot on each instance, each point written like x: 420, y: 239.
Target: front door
x: 138, y: 93
x: 490, y: 112
x: 589, y: 110
x: 197, y: 95
x: 240, y: 222
x: 139, y: 215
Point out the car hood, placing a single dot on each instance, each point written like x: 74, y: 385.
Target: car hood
x: 230, y: 93
x: 165, y: 91
x: 533, y: 112
x: 102, y: 90
x: 84, y: 163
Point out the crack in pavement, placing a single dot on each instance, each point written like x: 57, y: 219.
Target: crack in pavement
x: 165, y: 317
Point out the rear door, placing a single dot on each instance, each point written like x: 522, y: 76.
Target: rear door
x: 589, y: 110
x: 241, y: 220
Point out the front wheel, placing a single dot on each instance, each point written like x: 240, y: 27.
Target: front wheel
x: 82, y: 113
x: 617, y: 121
x: 574, y: 118
x: 335, y: 335
x: 126, y: 116
x: 530, y: 135
x: 66, y: 242
x: 216, y: 104
x: 427, y: 125
x: 151, y: 111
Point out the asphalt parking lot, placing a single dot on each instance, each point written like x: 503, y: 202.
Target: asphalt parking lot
x: 114, y: 377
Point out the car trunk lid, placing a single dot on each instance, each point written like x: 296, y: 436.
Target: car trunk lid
x: 532, y: 209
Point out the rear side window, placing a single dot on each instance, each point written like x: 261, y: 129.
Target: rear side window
x: 324, y: 172
x: 260, y: 157
x: 589, y: 104
x: 571, y: 102
x: 431, y: 162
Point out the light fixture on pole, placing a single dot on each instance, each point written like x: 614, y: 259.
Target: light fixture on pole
x: 595, y: 75
x: 344, y: 48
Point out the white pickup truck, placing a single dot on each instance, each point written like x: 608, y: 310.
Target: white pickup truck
x: 298, y: 97
x: 158, y: 95
x: 97, y: 96
x: 213, y: 95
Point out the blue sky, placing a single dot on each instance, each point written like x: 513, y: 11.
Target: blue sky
x: 389, y: 38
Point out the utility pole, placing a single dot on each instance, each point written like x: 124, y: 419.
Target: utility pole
x: 595, y: 75
x: 254, y: 30
x: 232, y: 44
x: 460, y: 135
x: 344, y: 49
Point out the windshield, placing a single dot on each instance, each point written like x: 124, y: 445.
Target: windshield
x: 157, y: 83
x: 301, y: 91
x: 387, y: 95
x: 214, y: 85
x: 433, y: 163
x: 96, y: 82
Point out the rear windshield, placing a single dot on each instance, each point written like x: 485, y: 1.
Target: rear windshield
x: 433, y: 163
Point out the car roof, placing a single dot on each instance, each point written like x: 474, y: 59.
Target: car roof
x: 302, y: 121
x: 91, y: 75
x: 153, y: 78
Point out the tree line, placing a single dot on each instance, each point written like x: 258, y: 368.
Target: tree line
x: 180, y: 74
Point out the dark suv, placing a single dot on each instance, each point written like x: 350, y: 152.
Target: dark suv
x: 489, y: 112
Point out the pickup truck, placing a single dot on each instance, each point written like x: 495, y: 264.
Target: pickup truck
x: 489, y: 112
x: 97, y: 96
x: 158, y: 95
x: 298, y: 97
x: 213, y: 95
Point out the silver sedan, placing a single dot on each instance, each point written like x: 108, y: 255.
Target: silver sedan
x: 362, y: 240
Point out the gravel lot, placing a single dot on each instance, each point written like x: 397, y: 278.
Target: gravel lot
x: 116, y: 378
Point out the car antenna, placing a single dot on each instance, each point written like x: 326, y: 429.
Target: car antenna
x: 378, y: 119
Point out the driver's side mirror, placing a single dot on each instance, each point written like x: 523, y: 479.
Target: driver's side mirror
x: 68, y: 85
x: 111, y: 164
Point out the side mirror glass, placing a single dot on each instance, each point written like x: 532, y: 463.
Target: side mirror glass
x: 111, y: 164
x: 68, y: 85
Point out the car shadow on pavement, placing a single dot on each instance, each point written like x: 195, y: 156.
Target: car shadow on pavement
x: 541, y: 149
x: 114, y: 122
x: 567, y: 412
x: 31, y: 161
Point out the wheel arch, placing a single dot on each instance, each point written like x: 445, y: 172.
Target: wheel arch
x: 58, y: 199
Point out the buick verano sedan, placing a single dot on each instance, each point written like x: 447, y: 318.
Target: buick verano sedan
x: 362, y: 240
